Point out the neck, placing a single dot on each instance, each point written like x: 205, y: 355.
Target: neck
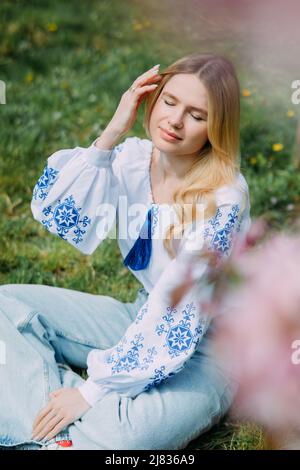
x: 172, y: 167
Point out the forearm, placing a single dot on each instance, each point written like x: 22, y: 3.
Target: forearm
x: 108, y: 139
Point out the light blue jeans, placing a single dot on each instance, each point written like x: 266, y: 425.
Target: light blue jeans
x: 44, y: 330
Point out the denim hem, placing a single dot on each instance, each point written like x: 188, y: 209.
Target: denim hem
x: 62, y: 436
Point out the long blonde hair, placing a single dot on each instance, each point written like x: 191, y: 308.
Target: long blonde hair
x: 219, y: 158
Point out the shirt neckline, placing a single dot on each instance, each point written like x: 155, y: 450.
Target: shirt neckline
x: 150, y: 192
x: 151, y: 198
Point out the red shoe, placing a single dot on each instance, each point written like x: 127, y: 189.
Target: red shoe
x: 58, y: 445
x: 65, y: 443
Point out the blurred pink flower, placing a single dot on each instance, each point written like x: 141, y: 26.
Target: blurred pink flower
x: 259, y: 324
x: 256, y: 309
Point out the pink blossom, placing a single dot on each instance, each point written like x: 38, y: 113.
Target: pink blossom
x: 256, y: 310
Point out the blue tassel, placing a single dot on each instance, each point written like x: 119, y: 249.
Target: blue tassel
x: 140, y: 254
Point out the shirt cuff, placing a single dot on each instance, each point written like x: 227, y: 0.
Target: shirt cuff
x: 92, y: 392
x: 96, y: 156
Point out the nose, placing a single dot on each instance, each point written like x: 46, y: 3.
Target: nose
x: 175, y: 119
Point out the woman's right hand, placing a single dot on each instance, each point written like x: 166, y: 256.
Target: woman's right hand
x: 126, y: 112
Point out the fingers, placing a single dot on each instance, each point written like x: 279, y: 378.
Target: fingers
x: 53, y: 427
x: 55, y: 393
x: 149, y: 75
x: 149, y: 72
x: 37, y: 430
x: 142, y: 90
x: 61, y: 425
x: 153, y: 76
x: 156, y: 78
x: 46, y: 427
x: 41, y: 415
x: 44, y: 411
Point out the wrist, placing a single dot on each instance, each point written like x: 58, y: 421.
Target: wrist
x: 108, y: 139
x: 91, y: 392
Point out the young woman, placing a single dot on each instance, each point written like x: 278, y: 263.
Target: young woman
x: 152, y: 383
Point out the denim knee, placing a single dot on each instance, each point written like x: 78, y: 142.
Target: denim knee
x: 7, y: 288
x: 229, y: 394
x: 174, y: 418
x: 16, y: 311
x: 175, y: 434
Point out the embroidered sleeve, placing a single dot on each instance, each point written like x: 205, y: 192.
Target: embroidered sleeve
x: 74, y: 193
x: 158, y: 344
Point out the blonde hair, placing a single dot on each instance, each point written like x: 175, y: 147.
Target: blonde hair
x: 219, y: 158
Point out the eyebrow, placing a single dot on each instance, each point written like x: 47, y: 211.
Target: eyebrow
x: 192, y: 107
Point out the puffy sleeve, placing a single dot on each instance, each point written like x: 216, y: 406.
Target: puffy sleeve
x: 158, y: 344
x: 77, y: 189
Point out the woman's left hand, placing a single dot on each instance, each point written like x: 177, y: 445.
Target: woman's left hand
x: 65, y: 406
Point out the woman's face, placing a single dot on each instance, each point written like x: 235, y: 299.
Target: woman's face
x: 184, y: 113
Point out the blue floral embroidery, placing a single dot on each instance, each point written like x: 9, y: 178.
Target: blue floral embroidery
x: 159, y: 377
x: 179, y: 337
x: 141, y: 313
x: 45, y: 182
x: 67, y: 218
x: 240, y: 221
x: 131, y: 359
x: 119, y: 148
x: 154, y: 220
x: 221, y: 238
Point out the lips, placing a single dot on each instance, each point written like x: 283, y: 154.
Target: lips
x: 171, y: 134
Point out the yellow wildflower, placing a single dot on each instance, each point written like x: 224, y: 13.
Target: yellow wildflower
x: 290, y: 113
x: 29, y: 77
x: 253, y: 160
x: 277, y: 147
x: 65, y: 85
x: 137, y: 26
x: 12, y: 28
x: 246, y: 92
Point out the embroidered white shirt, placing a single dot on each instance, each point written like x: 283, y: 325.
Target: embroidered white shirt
x: 82, y: 195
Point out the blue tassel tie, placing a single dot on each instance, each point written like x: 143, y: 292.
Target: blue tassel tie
x: 140, y: 254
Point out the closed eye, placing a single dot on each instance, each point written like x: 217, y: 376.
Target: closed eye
x: 196, y: 118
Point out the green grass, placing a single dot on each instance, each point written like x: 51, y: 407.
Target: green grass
x: 66, y: 66
x: 231, y: 435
